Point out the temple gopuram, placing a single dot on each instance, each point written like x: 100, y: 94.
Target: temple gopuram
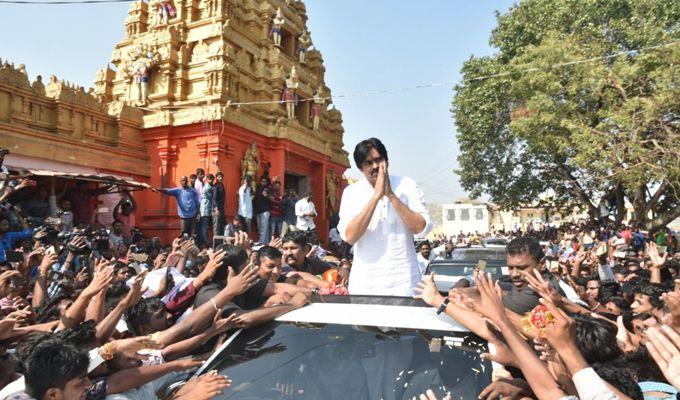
x: 228, y: 85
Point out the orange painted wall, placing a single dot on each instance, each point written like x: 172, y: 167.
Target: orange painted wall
x: 178, y: 151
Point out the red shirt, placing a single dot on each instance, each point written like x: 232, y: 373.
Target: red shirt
x: 277, y: 210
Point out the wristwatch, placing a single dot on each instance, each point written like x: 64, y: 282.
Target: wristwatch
x: 443, y: 306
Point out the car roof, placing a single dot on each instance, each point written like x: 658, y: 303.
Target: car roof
x: 379, y: 311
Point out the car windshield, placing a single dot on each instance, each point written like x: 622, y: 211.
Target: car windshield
x: 461, y: 270
x: 314, y: 361
x: 475, y: 254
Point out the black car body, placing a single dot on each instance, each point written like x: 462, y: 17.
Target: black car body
x: 354, y: 347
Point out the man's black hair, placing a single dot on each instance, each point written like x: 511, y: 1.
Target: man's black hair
x: 364, y: 147
x: 140, y: 314
x: 269, y: 252
x: 115, y: 294
x: 620, y: 378
x: 526, y: 245
x: 199, y: 170
x: 51, y: 365
x: 26, y: 345
x: 80, y: 335
x: 234, y: 257
x: 641, y: 363
x: 619, y: 301
x: 193, y: 176
x: 298, y: 237
x: 50, y: 311
x: 654, y: 291
x: 596, y: 339
x: 609, y: 289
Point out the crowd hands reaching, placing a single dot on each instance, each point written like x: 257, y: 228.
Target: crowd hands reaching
x: 589, y: 312
x: 88, y: 311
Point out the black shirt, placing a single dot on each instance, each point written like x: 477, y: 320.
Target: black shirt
x: 251, y: 299
x: 219, y: 197
x: 262, y: 202
x: 521, y: 301
x: 313, y: 265
x: 288, y: 205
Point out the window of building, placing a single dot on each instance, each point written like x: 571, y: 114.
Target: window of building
x: 479, y: 214
x: 450, y: 215
x: 464, y: 214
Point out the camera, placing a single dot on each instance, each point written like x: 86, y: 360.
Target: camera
x: 46, y: 234
x: 99, y: 239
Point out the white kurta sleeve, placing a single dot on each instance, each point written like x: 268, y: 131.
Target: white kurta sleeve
x: 416, y: 203
x: 348, y: 210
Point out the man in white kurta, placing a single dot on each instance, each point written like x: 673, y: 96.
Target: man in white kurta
x: 385, y: 260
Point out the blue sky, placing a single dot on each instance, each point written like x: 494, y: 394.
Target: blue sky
x: 366, y: 45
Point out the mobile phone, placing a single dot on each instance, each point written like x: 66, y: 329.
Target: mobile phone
x: 14, y: 256
x: 217, y: 241
x: 554, y: 265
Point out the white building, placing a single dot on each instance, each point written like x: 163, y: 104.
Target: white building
x: 465, y: 216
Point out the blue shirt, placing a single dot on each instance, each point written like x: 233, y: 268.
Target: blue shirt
x: 187, y: 201
x: 8, y: 239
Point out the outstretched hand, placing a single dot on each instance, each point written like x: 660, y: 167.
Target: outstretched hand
x: 428, y: 292
x: 239, y: 283
x: 542, y: 287
x: 653, y: 253
x: 664, y: 346
x: 490, y: 303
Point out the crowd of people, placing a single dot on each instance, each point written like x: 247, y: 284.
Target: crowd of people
x: 91, y: 311
x: 201, y: 202
x: 587, y: 311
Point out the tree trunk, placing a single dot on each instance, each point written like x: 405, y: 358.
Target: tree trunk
x: 620, y: 204
x: 639, y: 207
x: 661, y: 220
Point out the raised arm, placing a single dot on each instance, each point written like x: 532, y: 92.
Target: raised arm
x: 356, y: 227
x: 75, y: 314
x: 236, y: 284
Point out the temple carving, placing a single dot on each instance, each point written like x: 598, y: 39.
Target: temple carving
x: 195, y: 83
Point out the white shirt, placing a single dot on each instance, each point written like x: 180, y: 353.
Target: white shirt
x: 423, y: 262
x: 591, y: 387
x: 385, y: 260
x: 198, y: 185
x: 245, y: 202
x: 303, y: 207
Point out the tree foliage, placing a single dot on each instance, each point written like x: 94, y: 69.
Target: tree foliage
x: 607, y: 128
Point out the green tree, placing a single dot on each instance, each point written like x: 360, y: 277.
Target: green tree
x: 603, y: 129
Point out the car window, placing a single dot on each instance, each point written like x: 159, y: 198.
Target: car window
x: 478, y: 254
x: 330, y: 362
x: 463, y: 270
